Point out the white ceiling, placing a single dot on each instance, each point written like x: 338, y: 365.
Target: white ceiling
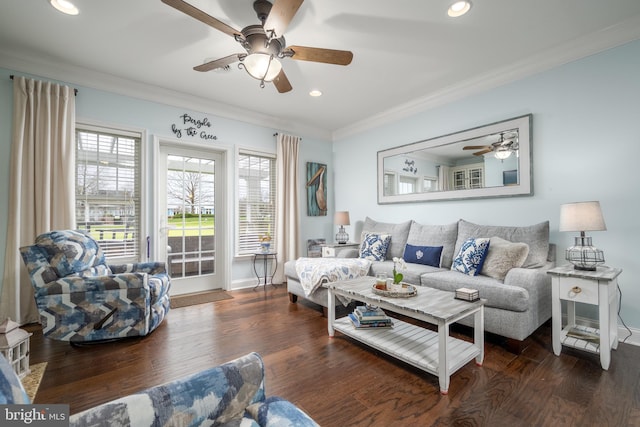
x: 408, y: 54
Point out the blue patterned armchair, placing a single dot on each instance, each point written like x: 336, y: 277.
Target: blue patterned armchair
x: 81, y: 298
x: 229, y: 395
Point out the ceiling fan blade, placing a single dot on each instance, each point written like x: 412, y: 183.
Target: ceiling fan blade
x: 194, y: 12
x: 282, y: 12
x: 219, y: 63
x: 485, y: 151
x: 315, y: 54
x: 475, y: 147
x: 281, y: 82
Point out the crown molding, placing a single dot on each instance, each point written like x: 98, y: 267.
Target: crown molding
x: 78, y: 76
x: 607, y: 38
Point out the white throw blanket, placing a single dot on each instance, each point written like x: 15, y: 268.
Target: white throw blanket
x: 313, y: 271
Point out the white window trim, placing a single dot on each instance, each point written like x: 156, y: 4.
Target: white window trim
x: 236, y: 217
x: 144, y: 184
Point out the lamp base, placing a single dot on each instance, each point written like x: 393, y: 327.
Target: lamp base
x: 582, y: 268
x: 342, y: 237
x: 583, y: 255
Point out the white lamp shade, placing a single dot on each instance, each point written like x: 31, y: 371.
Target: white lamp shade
x: 502, y: 153
x: 341, y: 218
x: 581, y: 216
x: 262, y: 67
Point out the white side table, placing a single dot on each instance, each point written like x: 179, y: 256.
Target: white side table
x: 587, y: 287
x: 329, y: 250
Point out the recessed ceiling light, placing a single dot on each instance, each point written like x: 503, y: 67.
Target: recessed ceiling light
x: 315, y: 92
x: 459, y: 8
x: 65, y: 6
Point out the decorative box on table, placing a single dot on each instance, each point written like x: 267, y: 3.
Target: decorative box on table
x: 14, y: 345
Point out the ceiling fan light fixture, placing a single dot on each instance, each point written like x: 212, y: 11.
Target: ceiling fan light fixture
x: 459, y: 8
x: 65, y: 7
x: 502, y: 153
x: 262, y: 66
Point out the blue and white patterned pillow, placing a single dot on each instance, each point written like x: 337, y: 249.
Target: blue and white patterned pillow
x: 471, y: 256
x: 374, y: 246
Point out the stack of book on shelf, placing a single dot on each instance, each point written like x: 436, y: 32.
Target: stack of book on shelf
x: 366, y: 316
x: 467, y: 294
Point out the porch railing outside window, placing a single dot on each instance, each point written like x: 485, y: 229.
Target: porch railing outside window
x: 108, y: 189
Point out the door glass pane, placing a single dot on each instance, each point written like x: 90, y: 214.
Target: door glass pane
x: 191, y: 216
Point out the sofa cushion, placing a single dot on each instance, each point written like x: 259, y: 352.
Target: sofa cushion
x: 498, y: 295
x: 374, y: 247
x: 435, y: 235
x: 471, y: 256
x: 426, y: 255
x: 535, y: 236
x: 398, y: 232
x: 502, y: 256
x: 412, y: 274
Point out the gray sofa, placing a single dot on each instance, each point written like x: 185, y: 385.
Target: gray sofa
x: 518, y: 298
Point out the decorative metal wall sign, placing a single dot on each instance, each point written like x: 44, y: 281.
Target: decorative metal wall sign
x: 190, y: 126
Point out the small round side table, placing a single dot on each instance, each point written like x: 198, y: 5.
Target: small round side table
x: 268, y: 259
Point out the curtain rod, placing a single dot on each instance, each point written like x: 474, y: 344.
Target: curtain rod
x: 276, y: 134
x: 75, y: 91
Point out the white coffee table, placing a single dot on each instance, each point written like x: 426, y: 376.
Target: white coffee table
x: 434, y: 352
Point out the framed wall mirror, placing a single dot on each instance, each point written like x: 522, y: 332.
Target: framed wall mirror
x: 488, y: 161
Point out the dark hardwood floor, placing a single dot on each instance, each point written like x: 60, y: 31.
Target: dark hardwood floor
x: 341, y: 383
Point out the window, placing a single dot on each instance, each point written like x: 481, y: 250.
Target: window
x: 469, y: 176
x: 389, y: 183
x: 256, y: 200
x: 429, y: 183
x: 108, y: 189
x: 407, y: 185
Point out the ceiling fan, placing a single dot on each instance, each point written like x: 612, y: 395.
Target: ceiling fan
x: 264, y: 43
x: 503, y: 147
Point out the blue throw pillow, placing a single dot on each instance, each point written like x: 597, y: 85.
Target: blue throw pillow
x: 425, y: 255
x: 374, y: 246
x: 471, y: 256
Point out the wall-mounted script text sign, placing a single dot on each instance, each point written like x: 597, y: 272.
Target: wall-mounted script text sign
x: 193, y: 127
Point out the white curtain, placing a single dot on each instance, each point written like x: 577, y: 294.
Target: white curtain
x: 41, y: 184
x: 443, y: 178
x: 287, y: 204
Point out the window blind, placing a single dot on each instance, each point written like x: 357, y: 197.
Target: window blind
x: 108, y: 182
x: 256, y: 201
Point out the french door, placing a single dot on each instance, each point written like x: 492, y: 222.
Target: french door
x: 189, y: 194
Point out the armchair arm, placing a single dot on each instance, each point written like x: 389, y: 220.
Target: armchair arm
x: 213, y: 396
x: 152, y: 268
x: 69, y: 284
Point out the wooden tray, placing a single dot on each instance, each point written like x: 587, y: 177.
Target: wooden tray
x: 406, y: 291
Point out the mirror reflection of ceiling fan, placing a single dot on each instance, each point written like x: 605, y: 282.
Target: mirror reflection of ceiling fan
x: 502, y: 148
x: 264, y: 43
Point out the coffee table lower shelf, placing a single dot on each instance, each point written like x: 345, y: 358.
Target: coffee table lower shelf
x: 412, y: 344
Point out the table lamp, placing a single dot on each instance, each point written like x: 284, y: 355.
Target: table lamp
x: 341, y: 218
x: 582, y: 216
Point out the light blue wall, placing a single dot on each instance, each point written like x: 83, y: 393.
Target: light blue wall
x: 586, y: 146
x: 156, y: 119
